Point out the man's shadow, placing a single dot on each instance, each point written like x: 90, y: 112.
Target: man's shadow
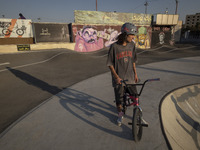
x: 34, y: 81
x: 84, y: 103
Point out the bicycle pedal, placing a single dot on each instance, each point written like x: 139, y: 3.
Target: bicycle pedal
x: 145, y: 125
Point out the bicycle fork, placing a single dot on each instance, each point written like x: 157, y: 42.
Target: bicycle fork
x: 142, y: 122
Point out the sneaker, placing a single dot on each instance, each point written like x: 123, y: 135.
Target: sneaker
x: 119, y: 121
x: 120, y: 118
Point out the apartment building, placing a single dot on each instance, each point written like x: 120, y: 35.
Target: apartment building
x: 192, y: 20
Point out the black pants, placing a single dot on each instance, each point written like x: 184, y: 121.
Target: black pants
x: 119, y: 91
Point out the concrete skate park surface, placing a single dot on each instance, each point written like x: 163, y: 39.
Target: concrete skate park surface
x: 83, y: 116
x: 180, y: 111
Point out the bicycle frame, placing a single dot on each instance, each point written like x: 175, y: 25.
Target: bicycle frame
x: 137, y: 120
x: 135, y: 99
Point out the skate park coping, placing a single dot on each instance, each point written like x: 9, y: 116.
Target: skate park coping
x: 180, y: 116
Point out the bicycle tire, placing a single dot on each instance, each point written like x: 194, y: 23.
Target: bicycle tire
x: 137, y: 128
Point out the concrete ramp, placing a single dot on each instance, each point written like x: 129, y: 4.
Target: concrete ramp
x: 180, y: 113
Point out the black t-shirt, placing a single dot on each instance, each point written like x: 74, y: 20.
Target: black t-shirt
x: 122, y: 59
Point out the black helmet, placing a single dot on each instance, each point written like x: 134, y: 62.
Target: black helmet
x: 129, y: 28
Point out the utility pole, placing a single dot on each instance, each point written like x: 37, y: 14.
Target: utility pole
x: 146, y: 4
x: 176, y: 7
x: 96, y: 5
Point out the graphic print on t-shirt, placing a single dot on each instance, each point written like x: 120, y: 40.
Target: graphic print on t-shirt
x: 124, y: 54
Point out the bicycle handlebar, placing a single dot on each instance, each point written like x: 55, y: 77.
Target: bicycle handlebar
x: 156, y: 79
x: 148, y: 80
x: 142, y: 84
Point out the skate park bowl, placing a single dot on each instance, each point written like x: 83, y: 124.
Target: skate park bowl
x: 180, y: 118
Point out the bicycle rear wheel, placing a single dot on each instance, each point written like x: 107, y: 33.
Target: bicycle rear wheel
x: 136, y: 124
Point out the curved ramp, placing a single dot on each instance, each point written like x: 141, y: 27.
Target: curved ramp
x: 180, y: 113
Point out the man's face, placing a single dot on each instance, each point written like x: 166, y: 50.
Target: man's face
x: 89, y: 35
x: 130, y: 38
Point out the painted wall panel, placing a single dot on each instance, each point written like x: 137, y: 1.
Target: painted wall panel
x: 161, y: 35
x: 15, y: 28
x: 116, y: 18
x: 92, y: 37
x: 51, y: 32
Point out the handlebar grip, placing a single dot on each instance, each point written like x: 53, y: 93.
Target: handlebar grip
x: 157, y: 79
x: 124, y: 81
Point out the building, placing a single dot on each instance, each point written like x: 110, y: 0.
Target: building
x: 192, y: 20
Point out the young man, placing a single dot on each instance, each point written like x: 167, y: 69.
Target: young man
x: 121, y: 61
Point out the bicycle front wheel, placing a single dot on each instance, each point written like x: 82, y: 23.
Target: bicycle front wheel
x: 136, y: 124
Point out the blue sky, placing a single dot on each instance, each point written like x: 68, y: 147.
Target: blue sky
x: 63, y: 10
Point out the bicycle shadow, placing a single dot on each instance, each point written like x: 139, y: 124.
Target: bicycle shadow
x: 95, y: 112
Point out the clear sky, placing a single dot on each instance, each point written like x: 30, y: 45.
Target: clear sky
x: 63, y: 10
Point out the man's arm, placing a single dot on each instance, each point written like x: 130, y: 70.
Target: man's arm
x: 117, y: 78
x: 134, y: 70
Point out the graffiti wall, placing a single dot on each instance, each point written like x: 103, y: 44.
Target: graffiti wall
x: 143, y: 39
x: 15, y: 28
x: 161, y: 35
x: 51, y: 32
x: 116, y: 18
x: 94, y: 37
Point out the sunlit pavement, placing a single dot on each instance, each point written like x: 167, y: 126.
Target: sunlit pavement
x: 83, y: 116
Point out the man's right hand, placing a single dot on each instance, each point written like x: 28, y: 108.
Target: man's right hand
x: 118, y: 80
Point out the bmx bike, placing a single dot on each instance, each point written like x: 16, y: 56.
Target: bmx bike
x: 131, y: 98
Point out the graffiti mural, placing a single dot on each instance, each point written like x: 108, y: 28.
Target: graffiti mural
x: 117, y: 18
x: 15, y: 28
x: 143, y: 39
x: 94, y: 37
x: 87, y: 40
x: 52, y: 32
x: 91, y: 38
x: 161, y: 36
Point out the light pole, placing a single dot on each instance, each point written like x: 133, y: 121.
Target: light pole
x: 176, y: 7
x: 146, y: 4
x: 96, y: 5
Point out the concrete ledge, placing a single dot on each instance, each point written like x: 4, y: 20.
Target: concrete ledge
x: 38, y: 46
x: 180, y: 113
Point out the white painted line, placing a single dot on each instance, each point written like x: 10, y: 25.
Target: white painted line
x: 36, y: 63
x: 7, y: 63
